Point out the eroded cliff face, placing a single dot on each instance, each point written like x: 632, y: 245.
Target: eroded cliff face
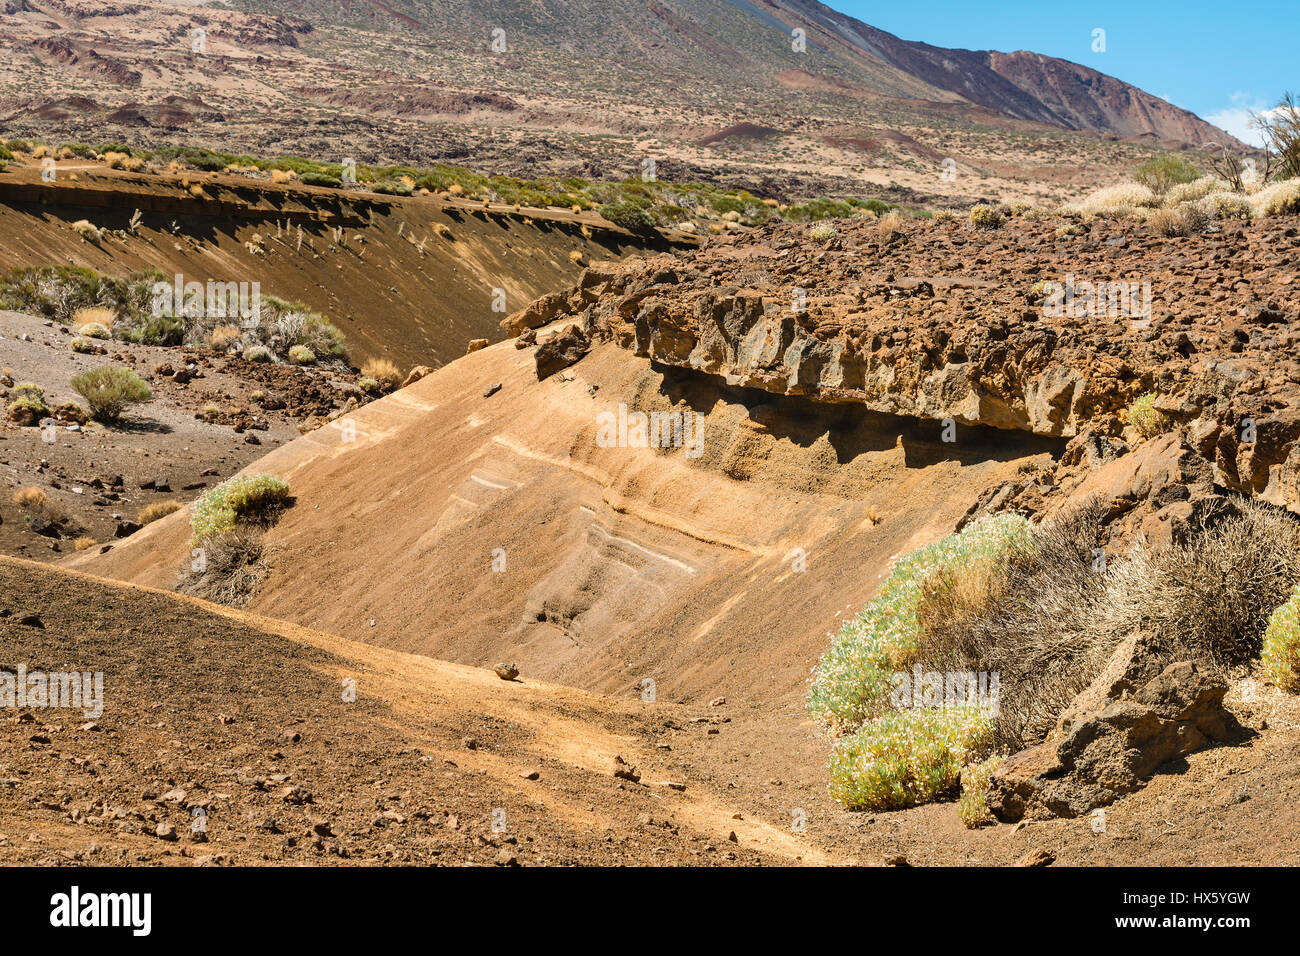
x: 935, y: 320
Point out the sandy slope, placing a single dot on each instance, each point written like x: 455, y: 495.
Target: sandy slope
x: 621, y: 564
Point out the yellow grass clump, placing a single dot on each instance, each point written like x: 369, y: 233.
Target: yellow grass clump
x: 30, y: 498
x: 159, y: 509
x: 382, y: 370
x: 93, y: 315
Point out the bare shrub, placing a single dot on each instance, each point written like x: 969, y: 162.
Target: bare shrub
x: 233, y: 567
x: 1035, y: 624
x: 1209, y: 598
x: 1048, y: 620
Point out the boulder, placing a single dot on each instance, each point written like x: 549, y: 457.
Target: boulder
x: 417, y: 373
x: 561, y: 351
x: 1112, y: 738
x: 537, y: 313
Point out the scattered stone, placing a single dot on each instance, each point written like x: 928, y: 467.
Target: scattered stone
x: 506, y: 671
x: 624, y: 770
x: 1039, y: 857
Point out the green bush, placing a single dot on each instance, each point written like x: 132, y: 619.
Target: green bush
x: 907, y: 757
x: 390, y: 187
x: 257, y: 353
x: 852, y: 681
x: 156, y: 330
x: 629, y: 214
x: 301, y: 355
x: 1145, y: 417
x: 986, y: 217
x: 109, y: 389
x: 1160, y: 173
x: 28, y: 404
x: 242, y: 498
x: 1281, y: 654
x: 320, y: 179
x: 973, y: 805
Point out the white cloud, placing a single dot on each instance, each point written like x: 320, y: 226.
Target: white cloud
x: 1238, y: 119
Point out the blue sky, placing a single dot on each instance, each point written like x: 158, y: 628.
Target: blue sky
x: 1218, y: 60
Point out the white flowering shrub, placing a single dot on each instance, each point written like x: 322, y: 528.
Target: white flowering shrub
x: 973, y: 804
x: 1196, y: 189
x: 852, y: 682
x: 907, y: 757
x: 1281, y: 654
x: 1224, y: 205
x: 1124, y: 197
x: 1277, y: 199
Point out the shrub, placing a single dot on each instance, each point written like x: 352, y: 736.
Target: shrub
x: 1210, y: 597
x: 83, y: 544
x: 1226, y: 206
x: 1058, y: 614
x: 1281, y: 128
x: 255, y: 498
x: 1122, y: 199
x: 631, y: 214
x: 257, y: 353
x: 1145, y: 417
x: 93, y: 330
x: 223, y: 337
x: 82, y: 347
x: 907, y: 757
x: 159, y: 509
x: 986, y: 217
x: 233, y: 567
x: 383, y: 371
x: 1160, y: 173
x: 889, y: 228
x: 823, y: 233
x: 392, y: 188
x: 321, y: 179
x: 93, y: 315
x: 1280, y: 656
x: 973, y: 806
x: 368, y: 385
x: 88, y: 230
x: 109, y: 389
x: 1278, y: 199
x: 31, y: 498
x: 1189, y: 219
x: 28, y: 406
x: 301, y: 355
x: 156, y: 330
x: 1196, y: 189
x: 852, y: 681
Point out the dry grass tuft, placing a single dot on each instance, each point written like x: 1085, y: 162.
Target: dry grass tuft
x: 383, y: 371
x: 159, y: 509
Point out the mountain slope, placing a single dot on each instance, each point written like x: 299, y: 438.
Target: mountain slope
x: 738, y: 43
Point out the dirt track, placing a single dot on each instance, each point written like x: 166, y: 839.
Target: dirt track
x: 201, y: 705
